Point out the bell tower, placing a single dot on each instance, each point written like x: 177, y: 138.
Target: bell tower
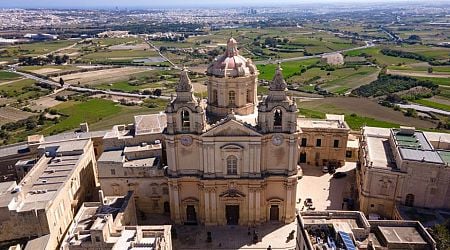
x: 277, y: 113
x: 184, y: 113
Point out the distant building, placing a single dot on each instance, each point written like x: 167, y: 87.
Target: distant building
x: 113, y: 34
x: 112, y: 224
x: 403, y: 167
x: 44, y: 203
x: 40, y: 37
x: 351, y: 230
x: 334, y: 59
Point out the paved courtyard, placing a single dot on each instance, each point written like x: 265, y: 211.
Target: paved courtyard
x: 235, y: 237
x: 326, y: 192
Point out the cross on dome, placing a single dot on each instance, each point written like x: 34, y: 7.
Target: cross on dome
x: 232, y: 47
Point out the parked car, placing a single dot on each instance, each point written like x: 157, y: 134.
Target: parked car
x: 325, y: 169
x: 339, y: 175
x: 331, y: 170
x: 308, y: 202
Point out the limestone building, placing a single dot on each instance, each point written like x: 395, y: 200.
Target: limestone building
x: 112, y: 224
x: 44, y: 203
x: 324, y: 142
x: 234, y: 161
x: 351, y: 230
x: 403, y: 167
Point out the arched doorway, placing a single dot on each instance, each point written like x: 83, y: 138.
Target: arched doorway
x: 191, y: 215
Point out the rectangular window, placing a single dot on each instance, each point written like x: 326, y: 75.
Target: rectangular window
x: 319, y: 143
x: 113, y: 172
x: 336, y: 143
x: 165, y: 190
x: 155, y: 204
x: 348, y: 154
x: 303, y: 144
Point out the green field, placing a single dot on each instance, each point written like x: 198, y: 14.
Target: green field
x: 438, y: 81
x: 267, y: 71
x: 6, y: 76
x: 432, y: 104
x: 441, y: 69
x: 380, y: 58
x: 354, y: 121
x: 33, y: 49
x: 119, y: 55
x: 61, y: 67
x: 126, y: 87
x: 17, y: 89
x: 91, y: 111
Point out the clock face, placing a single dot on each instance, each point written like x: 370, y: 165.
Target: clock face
x: 186, y: 140
x: 277, y: 140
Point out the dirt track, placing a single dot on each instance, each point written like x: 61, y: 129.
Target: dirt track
x: 417, y: 73
x: 101, y: 76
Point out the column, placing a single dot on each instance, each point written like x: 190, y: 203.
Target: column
x: 288, y: 203
x: 258, y: 160
x: 207, y: 206
x: 213, y: 208
x: 176, y: 204
x: 258, y: 207
x: 205, y: 159
x: 251, y: 212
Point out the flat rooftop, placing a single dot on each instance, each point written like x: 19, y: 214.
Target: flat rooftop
x: 404, y: 235
x: 414, y: 146
x: 43, y: 182
x: 330, y: 122
x: 150, y: 124
x: 379, y: 152
x: 118, y: 156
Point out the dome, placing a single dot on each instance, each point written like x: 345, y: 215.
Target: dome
x: 231, y: 64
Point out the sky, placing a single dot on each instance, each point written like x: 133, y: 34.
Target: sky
x: 165, y: 3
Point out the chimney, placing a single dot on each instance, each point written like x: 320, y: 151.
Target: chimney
x: 101, y: 197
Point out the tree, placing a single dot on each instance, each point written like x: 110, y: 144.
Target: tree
x: 430, y: 70
x: 157, y: 92
x: 61, y: 82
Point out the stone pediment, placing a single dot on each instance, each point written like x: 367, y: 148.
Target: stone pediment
x: 232, y: 193
x: 231, y: 127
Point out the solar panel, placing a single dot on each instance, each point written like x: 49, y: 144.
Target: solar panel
x: 348, y: 242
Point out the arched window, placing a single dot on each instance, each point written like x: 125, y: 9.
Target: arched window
x: 231, y: 98
x: 409, y: 200
x: 232, y: 165
x: 214, y: 96
x: 185, y: 121
x: 277, y: 118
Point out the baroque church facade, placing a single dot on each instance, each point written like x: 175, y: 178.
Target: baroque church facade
x: 232, y: 160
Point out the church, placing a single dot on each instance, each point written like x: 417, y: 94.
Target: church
x: 232, y: 160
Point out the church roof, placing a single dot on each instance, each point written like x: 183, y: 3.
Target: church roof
x: 230, y: 126
x: 231, y: 64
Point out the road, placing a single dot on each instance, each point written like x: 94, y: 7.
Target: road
x: 161, y: 55
x: 423, y: 109
x: 368, y: 45
x: 83, y: 89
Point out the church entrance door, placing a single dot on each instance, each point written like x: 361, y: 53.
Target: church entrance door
x: 232, y: 214
x: 191, y: 215
x: 274, y: 212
